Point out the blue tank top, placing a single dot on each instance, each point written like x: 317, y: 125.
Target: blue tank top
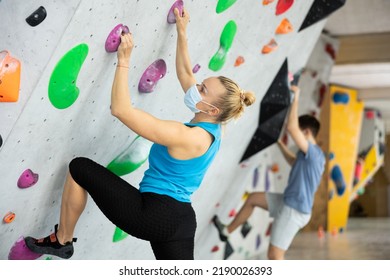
x: 179, y: 178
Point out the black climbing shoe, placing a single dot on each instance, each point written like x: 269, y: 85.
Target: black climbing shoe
x: 220, y: 228
x: 50, y: 245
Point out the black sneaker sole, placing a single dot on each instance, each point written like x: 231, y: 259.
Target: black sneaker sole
x: 65, y: 252
x: 219, y: 227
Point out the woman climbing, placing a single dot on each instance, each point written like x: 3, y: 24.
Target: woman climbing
x: 160, y: 211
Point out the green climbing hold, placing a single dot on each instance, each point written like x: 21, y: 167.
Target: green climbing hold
x: 131, y: 158
x: 223, y: 5
x: 119, y: 235
x: 63, y: 91
x: 225, y: 41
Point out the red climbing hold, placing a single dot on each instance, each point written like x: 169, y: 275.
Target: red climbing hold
x: 232, y: 213
x: 239, y: 60
x: 9, y: 77
x: 283, y: 6
x: 321, y: 96
x: 268, y: 232
x: 370, y: 114
x: 270, y: 47
x: 215, y: 249
x: 331, y: 51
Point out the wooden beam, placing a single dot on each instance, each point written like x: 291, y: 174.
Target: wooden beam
x: 364, y: 48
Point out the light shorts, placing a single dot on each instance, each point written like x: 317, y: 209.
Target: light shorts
x: 287, y: 221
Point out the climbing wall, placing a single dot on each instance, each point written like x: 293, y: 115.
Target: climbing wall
x: 346, y: 113
x: 63, y: 47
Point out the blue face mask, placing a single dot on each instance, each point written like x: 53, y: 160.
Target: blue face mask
x: 193, y: 97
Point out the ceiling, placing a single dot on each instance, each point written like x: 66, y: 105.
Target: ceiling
x: 359, y: 17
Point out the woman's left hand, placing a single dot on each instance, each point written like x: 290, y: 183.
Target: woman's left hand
x: 125, y: 48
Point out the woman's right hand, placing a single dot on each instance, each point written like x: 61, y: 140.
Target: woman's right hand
x: 125, y: 48
x: 181, y: 20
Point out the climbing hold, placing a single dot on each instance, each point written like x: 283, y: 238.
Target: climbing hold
x: 269, y: 229
x: 258, y: 241
x: 255, y: 177
x: 228, y: 250
x: 361, y: 191
x: 245, y: 229
x: 340, y: 97
x: 9, y: 217
x: 19, y: 251
x: 270, y: 47
x: 239, y: 60
x: 114, y: 38
x: 232, y: 213
x: 215, y: 249
x: 330, y: 50
x: 223, y: 5
x: 341, y: 230
x: 319, y: 10
x: 217, y: 205
x: 196, y: 68
x: 331, y: 155
x: 338, y: 179
x: 267, y: 180
x: 285, y: 138
x: 275, y: 168
x: 283, y: 6
x: 225, y: 42
x: 48, y: 259
x: 321, y: 95
x: 382, y: 148
x: 245, y: 196
x: 370, y: 114
x: 334, y: 231
x: 27, y: 179
x: 119, y: 235
x: 266, y: 2
x: 63, y: 91
x: 37, y: 17
x: 131, y: 158
x: 9, y: 77
x: 1, y: 141
x: 284, y: 27
x: 179, y: 4
x: 152, y: 75
x: 358, y: 171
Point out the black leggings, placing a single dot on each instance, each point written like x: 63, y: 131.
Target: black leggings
x: 168, y: 224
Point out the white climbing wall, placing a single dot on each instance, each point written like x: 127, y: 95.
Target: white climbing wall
x: 39, y: 137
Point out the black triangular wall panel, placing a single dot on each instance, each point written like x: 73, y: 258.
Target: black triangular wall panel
x: 319, y: 10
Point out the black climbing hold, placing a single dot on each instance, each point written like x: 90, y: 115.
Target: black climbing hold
x: 228, y: 250
x: 245, y: 229
x: 319, y: 10
x: 1, y: 141
x: 37, y: 17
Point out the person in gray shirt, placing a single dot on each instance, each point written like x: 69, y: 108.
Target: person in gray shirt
x: 291, y: 209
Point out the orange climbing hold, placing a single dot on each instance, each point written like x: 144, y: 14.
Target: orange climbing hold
x: 239, y: 60
x: 321, y: 232
x: 266, y: 2
x: 9, y: 77
x: 284, y: 27
x: 270, y: 47
x: 274, y: 168
x: 9, y: 217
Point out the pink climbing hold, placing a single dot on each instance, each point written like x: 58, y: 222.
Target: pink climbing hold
x: 283, y: 6
x: 27, y: 179
x: 19, y: 251
x: 171, y: 16
x: 114, y: 38
x: 152, y: 75
x: 196, y: 68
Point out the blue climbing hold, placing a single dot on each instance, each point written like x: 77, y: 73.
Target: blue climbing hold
x: 340, y: 97
x: 331, y: 156
x: 338, y: 179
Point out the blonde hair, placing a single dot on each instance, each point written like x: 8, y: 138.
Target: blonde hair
x: 233, y: 102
